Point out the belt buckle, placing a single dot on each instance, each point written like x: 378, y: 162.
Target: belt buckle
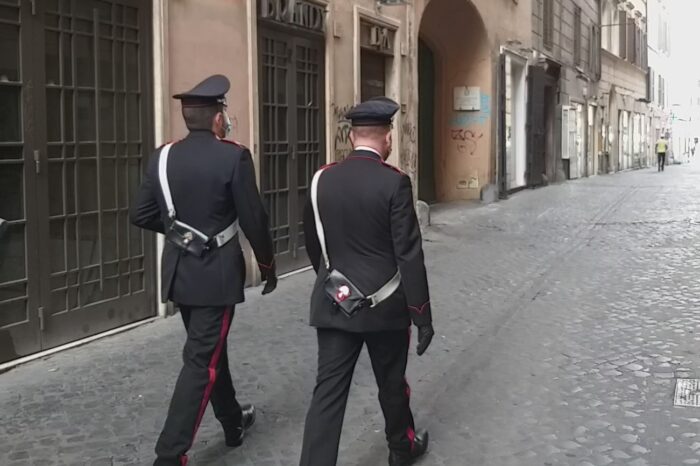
x: 372, y: 300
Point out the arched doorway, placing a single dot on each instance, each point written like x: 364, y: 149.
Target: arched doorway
x: 455, y: 100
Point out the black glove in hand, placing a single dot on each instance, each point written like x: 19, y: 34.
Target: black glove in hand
x: 425, y: 336
x: 270, y: 284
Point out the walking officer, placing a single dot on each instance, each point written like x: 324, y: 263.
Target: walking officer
x: 200, y: 192
x: 364, y: 241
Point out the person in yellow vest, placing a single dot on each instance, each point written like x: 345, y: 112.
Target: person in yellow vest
x: 661, y: 149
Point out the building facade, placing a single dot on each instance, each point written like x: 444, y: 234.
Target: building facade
x: 568, y: 63
x: 660, y: 75
x: 623, y: 88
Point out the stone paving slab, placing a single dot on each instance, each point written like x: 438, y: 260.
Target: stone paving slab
x: 563, y: 317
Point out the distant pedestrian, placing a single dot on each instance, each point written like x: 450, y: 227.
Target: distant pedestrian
x: 364, y: 241
x: 199, y: 192
x: 661, y: 149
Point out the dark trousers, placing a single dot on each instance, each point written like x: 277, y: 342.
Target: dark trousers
x: 337, y: 354
x: 204, y: 377
x: 661, y: 160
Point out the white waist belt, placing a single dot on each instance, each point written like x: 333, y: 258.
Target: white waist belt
x: 386, y: 291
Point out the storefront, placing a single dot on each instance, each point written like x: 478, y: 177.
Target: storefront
x: 291, y: 60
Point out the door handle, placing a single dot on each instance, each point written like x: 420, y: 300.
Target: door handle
x: 37, y: 161
x: 3, y: 226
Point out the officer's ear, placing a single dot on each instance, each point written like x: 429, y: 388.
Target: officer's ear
x: 218, y: 123
x: 218, y: 119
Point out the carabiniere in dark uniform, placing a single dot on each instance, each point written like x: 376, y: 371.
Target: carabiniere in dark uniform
x: 199, y: 192
x: 364, y: 241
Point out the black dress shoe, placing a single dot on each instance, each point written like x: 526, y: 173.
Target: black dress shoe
x: 406, y: 458
x: 234, y: 437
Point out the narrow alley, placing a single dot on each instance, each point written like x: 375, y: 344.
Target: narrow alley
x: 564, y: 316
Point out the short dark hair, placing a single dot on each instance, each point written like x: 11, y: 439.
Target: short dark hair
x: 200, y: 117
x: 371, y: 131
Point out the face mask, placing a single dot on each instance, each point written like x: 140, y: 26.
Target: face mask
x: 228, y: 126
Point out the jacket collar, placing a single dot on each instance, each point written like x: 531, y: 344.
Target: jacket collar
x: 201, y: 134
x: 364, y: 151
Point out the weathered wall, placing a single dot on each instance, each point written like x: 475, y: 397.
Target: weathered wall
x: 466, y: 38
x: 454, y: 31
x: 207, y: 37
x: 344, y: 68
x: 620, y: 73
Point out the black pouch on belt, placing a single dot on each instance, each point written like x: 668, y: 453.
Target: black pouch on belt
x: 344, y: 295
x: 187, y: 240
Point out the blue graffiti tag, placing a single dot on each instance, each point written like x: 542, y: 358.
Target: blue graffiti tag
x: 474, y: 118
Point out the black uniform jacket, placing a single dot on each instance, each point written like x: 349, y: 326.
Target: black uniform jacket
x: 212, y: 184
x: 371, y: 228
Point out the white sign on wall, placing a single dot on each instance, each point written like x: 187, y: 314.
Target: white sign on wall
x: 467, y: 98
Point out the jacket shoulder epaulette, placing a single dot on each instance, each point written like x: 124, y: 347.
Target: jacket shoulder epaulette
x: 328, y: 165
x: 166, y: 143
x: 396, y: 169
x: 234, y: 143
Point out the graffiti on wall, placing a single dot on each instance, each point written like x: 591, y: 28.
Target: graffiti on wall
x: 408, y: 161
x: 408, y: 155
x: 463, y: 133
x: 467, y: 140
x: 409, y: 131
x: 342, y: 146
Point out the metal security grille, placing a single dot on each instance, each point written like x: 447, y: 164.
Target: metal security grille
x: 18, y: 333
x: 94, y: 147
x: 85, y: 131
x: 309, y: 148
x: 292, y: 136
x: 276, y: 145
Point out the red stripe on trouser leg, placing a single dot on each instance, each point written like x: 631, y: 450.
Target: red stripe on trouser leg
x: 409, y: 432
x: 411, y: 437
x: 212, y: 377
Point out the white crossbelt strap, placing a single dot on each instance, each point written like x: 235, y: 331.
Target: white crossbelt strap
x: 387, y: 290
x: 317, y: 217
x: 163, y: 176
x: 220, y: 238
x: 389, y: 287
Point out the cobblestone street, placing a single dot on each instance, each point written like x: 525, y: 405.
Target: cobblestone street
x: 563, y: 317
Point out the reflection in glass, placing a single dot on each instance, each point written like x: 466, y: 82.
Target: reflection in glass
x: 12, y: 254
x: 9, y: 52
x: 55, y: 188
x: 87, y: 185
x: 53, y: 115
x: 88, y: 244
x: 10, y: 128
x: 85, y: 114
x: 12, y: 192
